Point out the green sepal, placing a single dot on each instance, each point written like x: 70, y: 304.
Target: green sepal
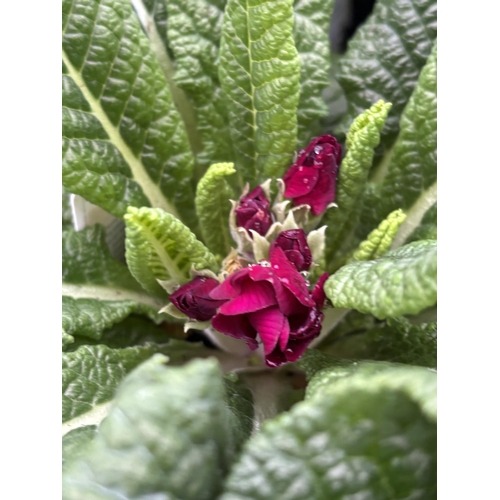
x: 158, y: 246
x: 379, y: 240
x: 213, y: 206
x: 259, y: 73
x: 403, y: 281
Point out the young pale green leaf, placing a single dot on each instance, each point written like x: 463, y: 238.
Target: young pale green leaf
x: 160, y: 247
x: 402, y: 282
x: 169, y: 434
x: 310, y: 33
x: 409, y: 171
x: 194, y: 30
x: 124, y: 141
x: 75, y: 441
x: 91, y: 375
x: 363, y: 137
x: 213, y: 206
x: 384, y: 59
x: 379, y: 240
x: 259, y: 72
x: 369, y: 433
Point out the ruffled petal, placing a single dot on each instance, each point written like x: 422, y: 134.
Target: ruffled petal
x: 275, y: 358
x: 269, y: 323
x: 231, y: 286
x: 322, y: 194
x: 238, y: 327
x: 299, y: 180
x: 318, y: 294
x: 254, y: 296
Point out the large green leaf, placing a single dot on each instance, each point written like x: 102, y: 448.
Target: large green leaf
x: 384, y: 59
x: 259, y: 72
x: 160, y: 247
x: 402, y: 282
x: 124, y: 141
x: 364, y: 434
x: 75, y: 441
x: 194, y: 30
x: 98, y: 291
x: 169, y: 434
x: 67, y: 218
x: 363, y: 137
x: 427, y: 230
x: 310, y: 33
x: 213, y: 206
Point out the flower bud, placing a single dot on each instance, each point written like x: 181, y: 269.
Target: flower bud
x: 293, y: 242
x: 194, y: 301
x: 253, y: 212
x: 312, y: 179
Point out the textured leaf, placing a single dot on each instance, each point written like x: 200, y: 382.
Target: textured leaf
x: 75, y: 441
x: 363, y: 137
x: 169, y: 434
x: 379, y: 240
x: 159, y: 247
x: 412, y: 163
x: 157, y: 9
x: 401, y: 282
x: 259, y: 72
x: 91, y: 375
x: 310, y: 33
x: 213, y: 206
x: 98, y: 291
x: 370, y: 434
x: 124, y: 141
x: 194, y: 31
x: 67, y: 218
x: 384, y: 59
x: 427, y: 230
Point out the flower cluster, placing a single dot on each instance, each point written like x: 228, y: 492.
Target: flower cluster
x: 263, y: 295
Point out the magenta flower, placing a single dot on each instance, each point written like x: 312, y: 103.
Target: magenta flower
x: 312, y: 179
x: 294, y: 243
x: 253, y: 212
x: 270, y: 301
x: 194, y: 301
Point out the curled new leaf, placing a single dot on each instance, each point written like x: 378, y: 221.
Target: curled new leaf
x: 160, y: 247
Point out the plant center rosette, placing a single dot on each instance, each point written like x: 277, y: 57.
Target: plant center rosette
x: 263, y: 293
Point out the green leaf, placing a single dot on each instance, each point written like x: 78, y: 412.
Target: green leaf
x: 159, y: 247
x: 91, y: 375
x: 379, y: 240
x: 213, y: 206
x: 384, y: 59
x: 75, y: 441
x: 98, y: 291
x: 124, y: 141
x: 157, y: 9
x: 409, y: 171
x: 310, y: 33
x: 363, y: 137
x: 67, y: 218
x: 427, y: 230
x: 259, y: 72
x: 194, y: 30
x: 401, y: 282
x: 169, y: 434
x: 370, y: 434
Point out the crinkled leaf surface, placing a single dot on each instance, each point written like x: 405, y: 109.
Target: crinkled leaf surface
x: 384, y: 59
x: 363, y: 137
x: 194, y: 30
x: 310, y: 33
x: 213, y: 206
x: 427, y: 230
x: 98, y: 291
x: 259, y: 72
x: 124, y: 141
x: 160, y: 247
x: 67, y: 218
x: 157, y: 9
x: 169, y: 434
x: 412, y: 163
x: 379, y: 240
x: 401, y: 282
x: 75, y: 441
x: 369, y: 434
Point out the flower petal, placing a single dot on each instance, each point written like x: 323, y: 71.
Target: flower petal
x: 254, y: 296
x: 300, y: 180
x: 323, y: 194
x: 236, y: 326
x: 318, y: 293
x: 269, y: 323
x: 275, y: 358
x: 230, y: 287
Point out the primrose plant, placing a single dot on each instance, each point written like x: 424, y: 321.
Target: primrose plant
x: 249, y: 251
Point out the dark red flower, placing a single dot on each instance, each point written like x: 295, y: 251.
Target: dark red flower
x: 294, y: 243
x: 270, y: 300
x: 253, y: 212
x: 193, y: 298
x: 312, y: 179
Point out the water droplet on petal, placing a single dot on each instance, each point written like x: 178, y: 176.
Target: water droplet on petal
x: 318, y: 149
x: 276, y: 266
x: 306, y: 181
x: 286, y: 281
x: 264, y: 263
x: 301, y: 169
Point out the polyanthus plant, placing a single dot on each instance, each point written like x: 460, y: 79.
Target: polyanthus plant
x: 291, y: 245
